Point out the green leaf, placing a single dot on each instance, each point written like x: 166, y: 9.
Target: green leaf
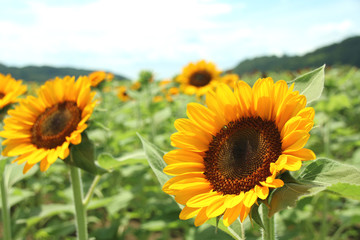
x: 322, y: 174
x: 346, y: 190
x: 325, y: 171
x: 14, y: 173
x: 83, y: 156
x: 310, y: 84
x: 49, y: 210
x: 286, y: 196
x: 107, y: 161
x: 155, y: 158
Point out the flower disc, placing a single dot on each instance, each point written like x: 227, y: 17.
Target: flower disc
x: 232, y: 152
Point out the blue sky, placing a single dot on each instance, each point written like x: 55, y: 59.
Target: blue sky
x: 125, y: 36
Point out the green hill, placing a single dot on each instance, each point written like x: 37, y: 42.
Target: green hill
x: 43, y: 73
x: 343, y: 53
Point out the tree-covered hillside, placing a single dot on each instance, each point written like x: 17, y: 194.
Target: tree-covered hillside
x: 343, y: 53
x: 43, y: 73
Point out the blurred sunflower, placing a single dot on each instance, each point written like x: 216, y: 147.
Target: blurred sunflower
x: 157, y: 99
x: 122, y: 94
x: 232, y: 152
x: 41, y: 129
x: 198, y: 78
x: 230, y: 79
x: 98, y: 76
x: 173, y: 91
x: 135, y: 86
x: 10, y: 89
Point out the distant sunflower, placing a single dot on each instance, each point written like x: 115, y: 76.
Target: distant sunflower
x: 10, y: 89
x: 230, y: 79
x: 98, y: 76
x: 232, y: 151
x: 41, y: 129
x: 122, y: 94
x: 198, y: 78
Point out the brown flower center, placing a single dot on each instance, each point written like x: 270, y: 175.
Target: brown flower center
x: 200, y: 78
x: 239, y: 156
x: 55, y: 124
x: 2, y: 95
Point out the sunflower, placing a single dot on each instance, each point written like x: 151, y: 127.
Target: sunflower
x: 41, y: 128
x: 122, y: 94
x: 232, y: 152
x: 10, y: 89
x: 136, y: 85
x: 98, y: 76
x: 199, y: 78
x: 230, y: 79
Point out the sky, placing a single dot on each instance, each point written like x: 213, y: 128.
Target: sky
x: 127, y: 36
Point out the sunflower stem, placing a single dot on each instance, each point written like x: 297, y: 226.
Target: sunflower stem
x: 80, y: 208
x: 242, y: 231
x: 91, y: 190
x: 5, y: 210
x: 269, y: 223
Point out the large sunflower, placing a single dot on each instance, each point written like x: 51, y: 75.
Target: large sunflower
x: 198, y: 78
x: 232, y: 152
x: 10, y: 89
x: 41, y: 129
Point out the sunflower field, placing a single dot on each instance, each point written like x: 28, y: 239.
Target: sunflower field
x: 94, y: 157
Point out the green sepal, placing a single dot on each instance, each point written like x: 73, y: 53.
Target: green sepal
x: 83, y: 156
x: 255, y: 216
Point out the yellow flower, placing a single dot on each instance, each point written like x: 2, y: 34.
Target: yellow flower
x: 232, y: 152
x: 198, y: 78
x: 10, y: 89
x: 230, y: 79
x: 122, y: 94
x: 171, y: 92
x: 41, y: 128
x: 157, y: 99
x: 99, y: 76
x: 136, y: 85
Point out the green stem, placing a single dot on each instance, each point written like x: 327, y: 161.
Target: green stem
x: 91, y: 190
x: 5, y: 210
x: 269, y: 223
x: 242, y: 231
x: 80, y: 211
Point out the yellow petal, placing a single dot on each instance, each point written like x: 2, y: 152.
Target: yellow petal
x: 292, y: 163
x: 204, y: 200
x: 188, y: 212
x: 216, y: 208
x: 295, y: 140
x: 188, y: 142
x: 186, y: 167
x: 261, y: 191
x: 233, y: 200
x: 181, y: 155
x: 231, y: 214
x: 304, y: 154
x: 201, y: 217
x: 250, y: 198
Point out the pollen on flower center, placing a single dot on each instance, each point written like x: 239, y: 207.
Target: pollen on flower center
x: 55, y: 124
x: 200, y: 78
x: 239, y: 156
